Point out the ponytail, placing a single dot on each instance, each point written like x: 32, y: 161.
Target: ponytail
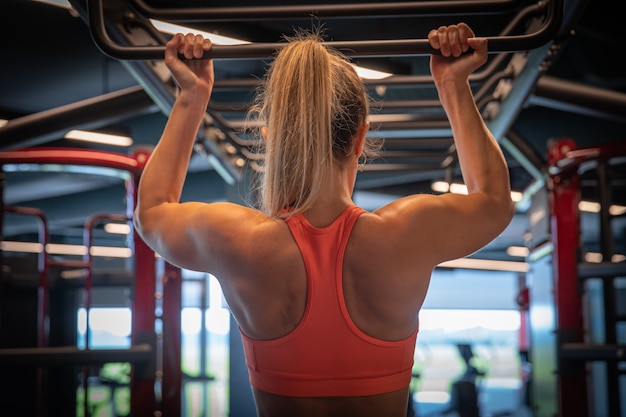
x: 312, y: 105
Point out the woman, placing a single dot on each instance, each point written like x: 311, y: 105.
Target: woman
x: 326, y: 295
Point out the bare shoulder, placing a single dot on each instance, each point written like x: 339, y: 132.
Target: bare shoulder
x: 242, y: 230
x: 392, y: 235
x: 210, y: 237
x: 440, y: 227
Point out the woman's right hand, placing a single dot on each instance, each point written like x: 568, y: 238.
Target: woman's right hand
x: 454, y: 61
x: 193, y: 73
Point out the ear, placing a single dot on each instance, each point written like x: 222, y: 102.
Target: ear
x: 264, y: 132
x: 359, y: 141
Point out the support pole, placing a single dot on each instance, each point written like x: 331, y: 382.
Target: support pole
x: 565, y: 230
x: 142, y: 388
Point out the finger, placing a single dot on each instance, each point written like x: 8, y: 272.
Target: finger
x: 444, y: 43
x: 172, y: 47
x: 198, y: 46
x: 478, y: 44
x: 433, y: 38
x: 465, y: 32
x: 207, y: 44
x: 456, y: 44
x: 189, y: 45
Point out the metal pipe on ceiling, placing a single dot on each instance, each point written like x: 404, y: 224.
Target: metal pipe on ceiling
x: 49, y: 125
x: 497, y: 44
x: 577, y: 98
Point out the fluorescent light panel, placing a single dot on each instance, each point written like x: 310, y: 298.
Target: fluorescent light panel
x: 59, y: 3
x: 517, y: 251
x: 63, y: 249
x: 456, y: 188
x: 104, y: 138
x: 215, y: 38
x: 117, y: 228
x: 485, y: 264
x: 370, y: 74
x: 594, y: 207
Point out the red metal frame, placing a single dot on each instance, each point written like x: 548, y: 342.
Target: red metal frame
x: 564, y: 190
x: 172, y: 310
x: 143, y: 399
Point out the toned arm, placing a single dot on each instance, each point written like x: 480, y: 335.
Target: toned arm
x: 452, y: 226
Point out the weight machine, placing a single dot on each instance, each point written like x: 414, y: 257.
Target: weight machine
x: 154, y: 363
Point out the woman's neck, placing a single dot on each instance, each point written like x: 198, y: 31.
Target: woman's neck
x: 333, y: 198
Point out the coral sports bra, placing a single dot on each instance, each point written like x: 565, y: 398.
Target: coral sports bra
x: 326, y: 354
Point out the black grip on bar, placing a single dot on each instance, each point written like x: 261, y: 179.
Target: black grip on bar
x: 350, y: 48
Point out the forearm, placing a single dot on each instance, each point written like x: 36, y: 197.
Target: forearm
x: 482, y: 163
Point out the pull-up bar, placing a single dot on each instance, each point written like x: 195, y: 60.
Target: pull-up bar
x: 240, y: 13
x: 352, y: 48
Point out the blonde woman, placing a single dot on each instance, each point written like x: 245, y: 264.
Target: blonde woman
x: 326, y: 295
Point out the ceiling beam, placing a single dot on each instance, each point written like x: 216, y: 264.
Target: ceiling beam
x: 49, y: 125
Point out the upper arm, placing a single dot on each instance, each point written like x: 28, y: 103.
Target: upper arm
x: 196, y: 236
x: 447, y: 226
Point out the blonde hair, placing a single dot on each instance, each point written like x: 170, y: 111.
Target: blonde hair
x: 312, y: 104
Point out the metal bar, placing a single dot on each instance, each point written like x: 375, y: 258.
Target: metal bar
x: 352, y: 48
x: 525, y: 154
x: 43, y: 316
x: 588, y: 352
x: 43, y: 295
x: 586, y: 158
x: 565, y: 234
x: 609, y: 291
x: 70, y: 156
x: 601, y: 270
x: 172, y: 371
x: 72, y: 355
x: 205, y: 14
x: 577, y: 98
x: 49, y: 125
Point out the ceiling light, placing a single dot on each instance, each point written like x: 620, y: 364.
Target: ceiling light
x: 485, y: 264
x: 593, y: 257
x: 616, y: 210
x: 370, y: 74
x: 215, y: 38
x: 111, y: 252
x: 64, y: 249
x: 117, y: 228
x: 517, y: 251
x: 618, y: 257
x: 516, y: 196
x: 589, y: 206
x: 25, y: 247
x: 440, y: 186
x: 104, y: 138
x: 59, y: 3
x: 594, y: 207
x: 456, y: 188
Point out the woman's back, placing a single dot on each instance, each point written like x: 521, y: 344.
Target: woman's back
x: 377, y: 303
